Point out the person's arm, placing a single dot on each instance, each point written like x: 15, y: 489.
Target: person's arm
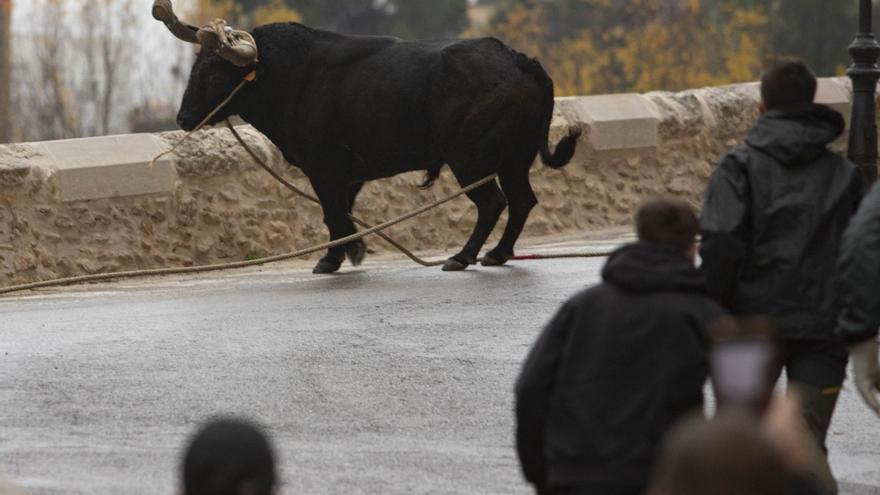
x: 724, y: 228
x: 534, y: 389
x: 858, y: 280
x: 858, y: 271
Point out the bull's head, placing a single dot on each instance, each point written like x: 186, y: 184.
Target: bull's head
x: 226, y: 56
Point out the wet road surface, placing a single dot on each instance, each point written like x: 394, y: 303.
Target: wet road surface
x: 387, y: 378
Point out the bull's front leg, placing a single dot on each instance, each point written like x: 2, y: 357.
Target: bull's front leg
x: 335, y: 204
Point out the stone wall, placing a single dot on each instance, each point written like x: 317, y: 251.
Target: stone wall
x: 97, y: 205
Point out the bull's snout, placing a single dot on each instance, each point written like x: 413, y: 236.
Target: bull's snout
x: 185, y: 122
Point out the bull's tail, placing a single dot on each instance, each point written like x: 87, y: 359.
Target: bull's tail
x: 565, y: 148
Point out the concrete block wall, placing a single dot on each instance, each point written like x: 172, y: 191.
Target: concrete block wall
x: 96, y: 205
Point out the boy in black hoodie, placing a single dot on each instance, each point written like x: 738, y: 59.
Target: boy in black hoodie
x: 775, y: 211
x: 618, y: 364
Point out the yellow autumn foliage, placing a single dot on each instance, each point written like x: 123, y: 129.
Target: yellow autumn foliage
x: 208, y: 10
x: 275, y: 11
x: 231, y: 11
x: 645, y: 47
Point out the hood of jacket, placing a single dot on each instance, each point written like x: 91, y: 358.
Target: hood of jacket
x: 643, y: 267
x: 796, y: 134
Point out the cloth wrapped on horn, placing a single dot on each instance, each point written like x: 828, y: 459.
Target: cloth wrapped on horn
x: 238, y: 47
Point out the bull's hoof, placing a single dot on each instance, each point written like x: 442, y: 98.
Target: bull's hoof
x: 453, y: 265
x: 457, y: 263
x: 326, y: 266
x: 355, y: 252
x: 494, y: 259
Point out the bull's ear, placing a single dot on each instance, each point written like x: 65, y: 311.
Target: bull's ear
x: 238, y: 47
x: 163, y: 11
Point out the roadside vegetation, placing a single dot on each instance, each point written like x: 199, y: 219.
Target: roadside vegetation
x: 85, y: 67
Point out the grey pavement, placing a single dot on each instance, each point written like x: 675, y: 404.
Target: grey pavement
x: 387, y: 378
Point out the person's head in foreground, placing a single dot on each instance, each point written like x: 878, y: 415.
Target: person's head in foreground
x: 788, y: 81
x: 229, y: 456
x: 8, y: 488
x: 668, y: 222
x: 730, y: 455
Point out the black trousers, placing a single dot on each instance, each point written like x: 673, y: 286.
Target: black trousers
x: 819, y: 364
x: 590, y: 490
x: 816, y: 370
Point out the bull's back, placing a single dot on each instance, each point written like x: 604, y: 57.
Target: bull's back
x: 404, y: 83
x: 392, y: 104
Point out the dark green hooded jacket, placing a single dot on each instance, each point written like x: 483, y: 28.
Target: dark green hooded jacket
x: 859, y: 269
x: 775, y: 211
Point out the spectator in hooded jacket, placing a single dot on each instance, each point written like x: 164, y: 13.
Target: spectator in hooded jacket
x: 618, y: 364
x: 774, y: 214
x: 859, y: 279
x: 229, y: 456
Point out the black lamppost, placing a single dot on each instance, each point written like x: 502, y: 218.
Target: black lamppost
x: 864, y: 74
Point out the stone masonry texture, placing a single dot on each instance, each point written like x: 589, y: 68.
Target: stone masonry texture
x: 223, y: 207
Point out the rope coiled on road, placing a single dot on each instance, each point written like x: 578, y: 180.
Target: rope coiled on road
x: 243, y: 264
x: 100, y: 277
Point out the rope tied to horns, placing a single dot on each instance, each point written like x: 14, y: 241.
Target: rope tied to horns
x: 236, y: 46
x: 240, y: 49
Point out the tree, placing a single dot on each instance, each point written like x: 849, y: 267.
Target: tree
x: 5, y: 70
x: 819, y: 31
x: 245, y: 14
x: 414, y: 19
x: 607, y: 46
x: 404, y: 18
x: 78, y: 68
x: 106, y: 52
x: 824, y: 44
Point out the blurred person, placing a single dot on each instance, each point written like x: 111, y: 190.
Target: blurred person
x: 744, y: 366
x: 859, y: 320
x: 744, y: 363
x: 774, y: 214
x: 8, y: 488
x: 733, y: 454
x: 618, y: 364
x: 229, y: 456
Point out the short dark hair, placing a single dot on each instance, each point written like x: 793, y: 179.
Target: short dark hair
x: 667, y: 222
x: 788, y: 81
x: 227, y: 455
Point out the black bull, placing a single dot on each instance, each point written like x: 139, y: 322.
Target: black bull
x: 348, y: 109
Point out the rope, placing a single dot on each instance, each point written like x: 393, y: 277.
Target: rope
x: 243, y: 264
x: 99, y: 277
x: 535, y: 257
x: 384, y: 236
x: 313, y: 199
x: 248, y: 78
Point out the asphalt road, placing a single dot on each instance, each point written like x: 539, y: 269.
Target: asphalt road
x: 385, y: 379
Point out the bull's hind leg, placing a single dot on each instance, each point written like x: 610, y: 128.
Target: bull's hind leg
x: 355, y: 250
x: 521, y: 199
x: 490, y: 203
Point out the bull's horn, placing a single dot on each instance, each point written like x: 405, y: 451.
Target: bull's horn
x: 163, y: 11
x: 235, y: 46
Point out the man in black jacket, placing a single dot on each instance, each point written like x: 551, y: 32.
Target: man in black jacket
x: 859, y: 319
x: 618, y: 364
x: 774, y: 214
